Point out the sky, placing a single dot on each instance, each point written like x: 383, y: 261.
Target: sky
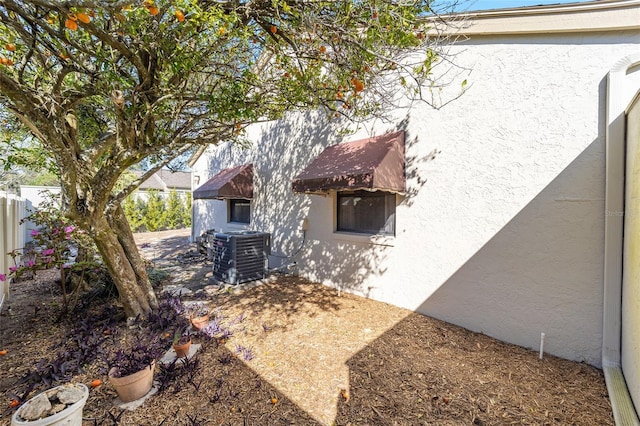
x: 501, y: 4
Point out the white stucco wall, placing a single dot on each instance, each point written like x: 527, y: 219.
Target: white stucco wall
x: 501, y: 231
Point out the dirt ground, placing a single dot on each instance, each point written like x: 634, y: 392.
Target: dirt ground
x: 318, y: 359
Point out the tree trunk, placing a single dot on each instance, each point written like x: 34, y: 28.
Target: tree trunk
x: 120, y: 224
x: 120, y: 255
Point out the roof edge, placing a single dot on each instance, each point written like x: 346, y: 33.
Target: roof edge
x: 592, y: 16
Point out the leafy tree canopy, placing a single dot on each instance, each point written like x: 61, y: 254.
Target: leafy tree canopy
x: 104, y: 85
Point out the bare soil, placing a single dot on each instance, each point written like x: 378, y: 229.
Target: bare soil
x: 319, y: 359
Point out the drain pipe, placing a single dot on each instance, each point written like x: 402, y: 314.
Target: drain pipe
x: 619, y: 96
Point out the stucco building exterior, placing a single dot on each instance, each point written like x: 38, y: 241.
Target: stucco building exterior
x: 501, y: 225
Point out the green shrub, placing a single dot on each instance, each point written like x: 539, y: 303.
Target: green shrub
x: 133, y: 210
x: 158, y: 212
x: 154, y: 217
x: 186, y: 213
x: 174, y: 211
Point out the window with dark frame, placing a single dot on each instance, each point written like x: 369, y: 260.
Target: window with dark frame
x: 239, y: 210
x: 366, y: 212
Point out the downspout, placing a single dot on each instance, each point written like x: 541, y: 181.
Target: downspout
x: 619, y: 96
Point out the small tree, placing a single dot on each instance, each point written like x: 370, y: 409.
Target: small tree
x: 106, y: 85
x: 175, y: 210
x: 186, y: 213
x: 133, y: 210
x: 154, y: 216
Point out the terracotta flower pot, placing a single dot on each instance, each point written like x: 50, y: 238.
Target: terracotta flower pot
x: 133, y: 386
x: 182, y: 350
x: 200, y: 322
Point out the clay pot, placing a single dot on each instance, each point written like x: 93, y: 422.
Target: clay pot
x: 182, y: 350
x: 200, y: 322
x: 133, y: 386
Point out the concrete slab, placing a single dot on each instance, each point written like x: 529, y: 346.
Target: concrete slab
x: 131, y: 406
x: 177, y: 291
x: 170, y: 355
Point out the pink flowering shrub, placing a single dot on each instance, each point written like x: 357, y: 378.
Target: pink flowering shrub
x: 56, y: 243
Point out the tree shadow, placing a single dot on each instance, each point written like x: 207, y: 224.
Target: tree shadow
x: 165, y: 248
x: 218, y: 388
x: 286, y: 296
x: 279, y: 151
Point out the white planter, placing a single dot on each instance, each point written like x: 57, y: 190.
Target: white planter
x: 70, y: 416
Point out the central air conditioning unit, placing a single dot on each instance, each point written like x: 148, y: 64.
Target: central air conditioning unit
x: 240, y: 256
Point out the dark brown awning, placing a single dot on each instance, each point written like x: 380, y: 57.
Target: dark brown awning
x: 234, y: 182
x: 372, y: 164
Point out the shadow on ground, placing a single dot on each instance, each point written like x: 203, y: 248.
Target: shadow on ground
x: 284, y: 297
x: 424, y: 370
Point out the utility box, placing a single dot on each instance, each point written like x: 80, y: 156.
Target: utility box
x: 240, y: 256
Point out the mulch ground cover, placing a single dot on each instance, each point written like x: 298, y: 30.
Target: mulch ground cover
x: 300, y: 354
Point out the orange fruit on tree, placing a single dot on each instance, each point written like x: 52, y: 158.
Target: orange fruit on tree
x: 339, y: 95
x: 96, y: 383
x: 222, y: 31
x: 153, y: 9
x: 71, y: 24
x: 9, y: 62
x: 10, y: 47
x: 273, y: 29
x: 83, y: 17
x: 359, y: 86
x: 179, y: 15
x: 323, y: 49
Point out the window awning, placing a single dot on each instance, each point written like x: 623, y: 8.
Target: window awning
x: 234, y: 182
x: 372, y: 164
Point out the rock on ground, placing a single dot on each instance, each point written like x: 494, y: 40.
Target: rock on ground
x: 36, y: 407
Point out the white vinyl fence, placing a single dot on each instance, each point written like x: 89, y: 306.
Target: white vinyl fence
x: 12, y: 210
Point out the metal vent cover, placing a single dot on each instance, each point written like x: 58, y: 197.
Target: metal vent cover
x: 240, y: 256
